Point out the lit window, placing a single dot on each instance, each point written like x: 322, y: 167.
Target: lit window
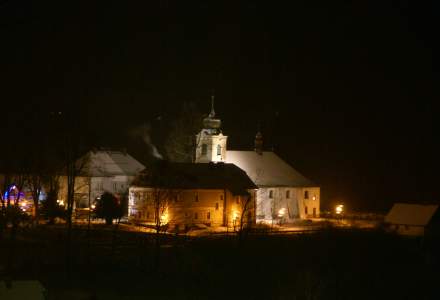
x: 306, y: 194
x: 204, y: 149
x: 208, y: 215
x: 287, y: 194
x: 216, y: 206
x: 270, y: 194
x: 219, y: 150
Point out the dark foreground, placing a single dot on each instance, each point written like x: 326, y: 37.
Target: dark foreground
x: 332, y: 264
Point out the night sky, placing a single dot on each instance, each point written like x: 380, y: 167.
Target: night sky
x: 345, y: 92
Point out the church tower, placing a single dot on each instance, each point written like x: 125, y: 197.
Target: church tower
x: 210, y: 142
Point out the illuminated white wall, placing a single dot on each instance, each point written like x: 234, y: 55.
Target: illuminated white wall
x: 215, y: 147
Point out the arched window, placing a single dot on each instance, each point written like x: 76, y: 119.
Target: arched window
x: 204, y: 149
x: 219, y: 150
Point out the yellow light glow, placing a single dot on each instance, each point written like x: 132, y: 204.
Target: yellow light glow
x: 339, y: 209
x: 93, y: 206
x: 60, y: 202
x: 235, y: 215
x: 164, y: 218
x: 314, y: 198
x: 281, y: 212
x: 23, y: 204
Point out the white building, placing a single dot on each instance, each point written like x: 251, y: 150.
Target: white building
x: 103, y: 171
x: 410, y: 219
x: 284, y: 194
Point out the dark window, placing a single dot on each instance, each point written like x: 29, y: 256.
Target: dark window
x: 216, y: 206
x: 306, y: 194
x: 306, y: 210
x: 208, y: 215
x: 196, y: 216
x: 314, y: 212
x: 221, y: 197
x: 204, y: 149
x: 270, y: 194
x: 148, y: 214
x: 196, y: 197
x: 219, y: 150
x: 287, y: 194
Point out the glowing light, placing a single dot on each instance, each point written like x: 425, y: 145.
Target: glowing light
x: 339, y: 209
x: 235, y: 215
x: 164, y: 218
x: 60, y: 202
x: 93, y: 206
x: 23, y: 204
x: 314, y: 198
x: 281, y: 212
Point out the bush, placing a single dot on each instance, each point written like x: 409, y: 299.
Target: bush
x: 109, y: 207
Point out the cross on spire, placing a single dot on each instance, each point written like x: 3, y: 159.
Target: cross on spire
x: 212, y: 113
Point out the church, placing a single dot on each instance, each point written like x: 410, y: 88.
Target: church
x: 284, y: 195
x: 222, y: 187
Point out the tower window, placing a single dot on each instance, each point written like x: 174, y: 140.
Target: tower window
x: 196, y: 216
x: 219, y: 150
x: 271, y: 194
x: 208, y: 215
x: 196, y: 197
x: 287, y: 194
x: 306, y: 194
x: 204, y: 149
x: 216, y: 206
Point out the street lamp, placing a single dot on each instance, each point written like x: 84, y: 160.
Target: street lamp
x: 339, y: 209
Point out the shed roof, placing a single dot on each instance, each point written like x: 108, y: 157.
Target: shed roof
x: 268, y: 169
x: 196, y: 176
x: 411, y: 214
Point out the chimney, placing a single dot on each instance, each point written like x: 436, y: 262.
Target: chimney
x: 259, y: 143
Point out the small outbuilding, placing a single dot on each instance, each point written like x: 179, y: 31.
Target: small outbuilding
x: 412, y: 219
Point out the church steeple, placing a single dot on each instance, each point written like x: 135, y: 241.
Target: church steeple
x: 210, y: 142
x: 212, y: 113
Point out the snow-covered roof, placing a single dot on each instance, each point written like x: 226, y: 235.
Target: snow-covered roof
x: 267, y: 169
x: 111, y: 163
x: 411, y: 214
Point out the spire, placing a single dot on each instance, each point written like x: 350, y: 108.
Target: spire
x: 212, y: 113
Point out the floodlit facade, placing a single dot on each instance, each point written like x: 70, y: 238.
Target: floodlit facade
x: 210, y: 141
x: 193, y: 194
x: 284, y: 195
x: 101, y: 171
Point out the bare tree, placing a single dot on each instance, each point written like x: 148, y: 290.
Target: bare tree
x: 247, y: 215
x: 181, y: 143
x: 163, y: 188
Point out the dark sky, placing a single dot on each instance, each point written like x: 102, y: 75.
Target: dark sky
x: 346, y: 91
